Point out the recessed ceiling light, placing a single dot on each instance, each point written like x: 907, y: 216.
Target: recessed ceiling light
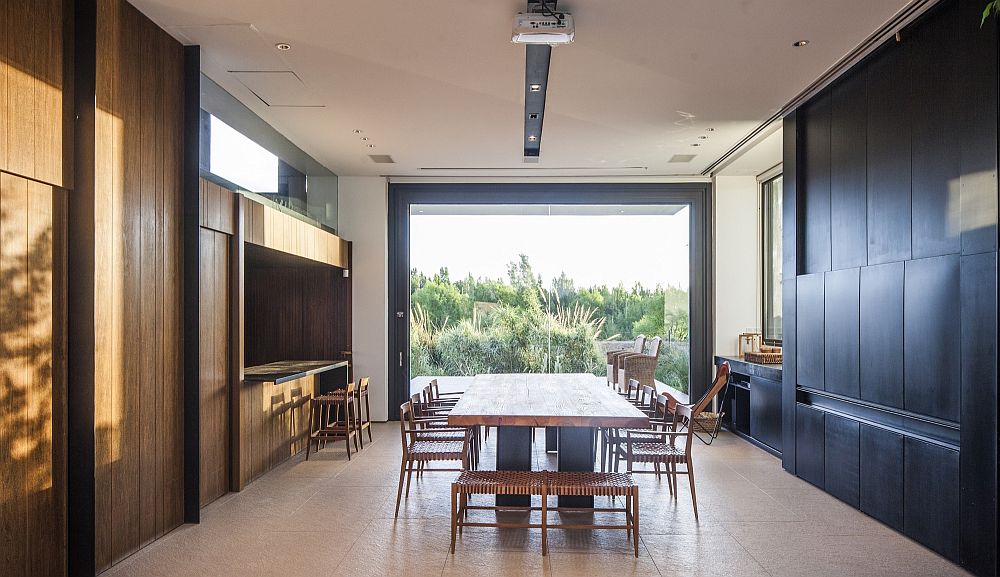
x: 621, y: 212
x: 534, y: 87
x: 703, y: 137
x: 371, y: 146
x: 365, y: 138
x: 800, y: 43
x: 357, y: 131
x: 533, y: 116
x: 696, y: 144
x: 709, y: 130
x: 532, y: 138
x: 283, y: 46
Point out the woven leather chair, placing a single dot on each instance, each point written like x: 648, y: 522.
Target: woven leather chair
x: 642, y: 367
x: 669, y: 448
x: 422, y: 446
x: 707, y: 423
x: 615, y: 357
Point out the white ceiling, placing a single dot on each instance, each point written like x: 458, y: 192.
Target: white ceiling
x: 437, y: 83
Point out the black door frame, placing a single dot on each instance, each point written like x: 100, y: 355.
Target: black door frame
x: 697, y: 195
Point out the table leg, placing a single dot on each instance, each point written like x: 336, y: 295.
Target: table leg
x: 514, y: 454
x: 576, y: 453
x: 551, y: 439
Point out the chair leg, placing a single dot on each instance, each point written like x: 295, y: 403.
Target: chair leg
x: 454, y: 516
x: 399, y: 489
x: 635, y: 521
x: 368, y: 416
x: 694, y: 497
x: 409, y: 475
x: 673, y: 472
x: 310, y: 433
x: 545, y: 523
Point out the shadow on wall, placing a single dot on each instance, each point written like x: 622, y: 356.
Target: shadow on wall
x: 31, y: 492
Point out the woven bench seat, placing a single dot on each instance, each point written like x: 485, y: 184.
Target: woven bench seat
x: 544, y: 484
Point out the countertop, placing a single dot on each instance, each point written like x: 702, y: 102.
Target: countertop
x: 742, y: 367
x: 284, y: 371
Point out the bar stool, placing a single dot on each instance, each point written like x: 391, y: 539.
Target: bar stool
x: 333, y: 417
x: 364, y: 411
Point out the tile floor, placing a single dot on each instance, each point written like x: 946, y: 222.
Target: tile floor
x: 332, y: 517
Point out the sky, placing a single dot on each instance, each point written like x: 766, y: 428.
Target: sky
x: 592, y: 250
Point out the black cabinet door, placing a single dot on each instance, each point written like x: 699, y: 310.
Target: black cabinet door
x: 741, y: 410
x: 765, y: 412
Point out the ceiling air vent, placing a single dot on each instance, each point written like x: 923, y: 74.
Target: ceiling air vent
x: 682, y: 158
x: 381, y: 159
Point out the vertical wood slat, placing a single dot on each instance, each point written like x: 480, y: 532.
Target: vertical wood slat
x: 13, y: 373
x: 4, y: 40
x: 22, y: 63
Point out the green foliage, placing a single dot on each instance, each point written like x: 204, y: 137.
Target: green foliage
x: 992, y: 7
x: 472, y: 326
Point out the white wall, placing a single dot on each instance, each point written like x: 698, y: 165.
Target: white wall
x: 737, y: 260
x: 363, y: 218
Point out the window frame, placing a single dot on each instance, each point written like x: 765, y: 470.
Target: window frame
x: 764, y: 181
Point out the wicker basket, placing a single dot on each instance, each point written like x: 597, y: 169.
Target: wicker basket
x: 763, y: 358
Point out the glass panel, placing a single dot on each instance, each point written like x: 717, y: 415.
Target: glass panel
x: 241, y: 161
x: 771, y: 203
x: 547, y: 288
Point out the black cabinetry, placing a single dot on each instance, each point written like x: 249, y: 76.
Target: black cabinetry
x: 753, y: 404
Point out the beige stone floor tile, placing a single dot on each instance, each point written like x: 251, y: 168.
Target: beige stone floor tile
x: 603, y: 564
x: 468, y: 562
x: 890, y: 555
x: 702, y: 556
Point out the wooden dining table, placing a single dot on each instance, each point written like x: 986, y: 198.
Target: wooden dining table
x: 570, y: 406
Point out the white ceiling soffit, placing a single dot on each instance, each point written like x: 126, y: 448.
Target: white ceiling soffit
x: 278, y: 88
x: 758, y: 156
x: 437, y: 83
x: 544, y: 209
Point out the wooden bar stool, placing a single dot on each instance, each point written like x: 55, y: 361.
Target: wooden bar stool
x: 364, y: 411
x: 333, y: 417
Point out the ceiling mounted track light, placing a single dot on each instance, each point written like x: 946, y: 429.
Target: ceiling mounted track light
x: 539, y: 27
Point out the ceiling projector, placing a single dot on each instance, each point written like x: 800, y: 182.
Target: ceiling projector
x: 536, y: 28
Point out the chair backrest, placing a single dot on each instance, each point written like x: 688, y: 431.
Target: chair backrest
x: 721, y: 380
x: 647, y: 397
x: 682, y: 421
x: 428, y: 394
x: 654, y: 346
x: 639, y: 344
x: 363, y: 386
x: 630, y: 387
x: 405, y: 420
x: 435, y: 389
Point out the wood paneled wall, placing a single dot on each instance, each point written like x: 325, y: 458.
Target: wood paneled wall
x: 215, y: 364
x: 274, y: 424
x: 266, y: 226
x: 34, y: 103
x: 34, y: 174
x: 891, y: 286
x: 296, y: 313
x: 138, y: 383
x: 32, y: 378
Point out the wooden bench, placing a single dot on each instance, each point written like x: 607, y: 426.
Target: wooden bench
x: 543, y: 484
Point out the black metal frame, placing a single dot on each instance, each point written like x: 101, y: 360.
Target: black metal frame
x: 697, y: 195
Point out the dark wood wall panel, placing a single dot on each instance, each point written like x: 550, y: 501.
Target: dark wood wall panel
x: 138, y: 385
x: 932, y: 335
x: 978, y: 118
x: 810, y: 348
x: 910, y: 339
x: 842, y: 457
x: 881, y: 475
x: 888, y: 157
x: 789, y: 282
x: 33, y: 100
x: 936, y: 145
x: 979, y: 402
x: 32, y: 378
x: 849, y: 173
x: 842, y: 336
x: 810, y: 442
x: 815, y: 224
x: 214, y: 363
x: 930, y: 498
x: 882, y: 334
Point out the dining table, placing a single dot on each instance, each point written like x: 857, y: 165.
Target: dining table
x: 571, y: 406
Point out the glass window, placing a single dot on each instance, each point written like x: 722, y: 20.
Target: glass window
x: 240, y: 160
x: 771, y: 227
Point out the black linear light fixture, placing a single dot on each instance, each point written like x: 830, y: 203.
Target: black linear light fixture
x: 539, y: 28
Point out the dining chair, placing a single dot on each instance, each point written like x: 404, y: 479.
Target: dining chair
x: 706, y: 422
x: 422, y: 446
x: 665, y: 450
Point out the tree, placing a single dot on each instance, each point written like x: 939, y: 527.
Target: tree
x: 442, y: 303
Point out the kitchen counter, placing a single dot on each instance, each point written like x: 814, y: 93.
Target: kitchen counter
x: 284, y: 371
